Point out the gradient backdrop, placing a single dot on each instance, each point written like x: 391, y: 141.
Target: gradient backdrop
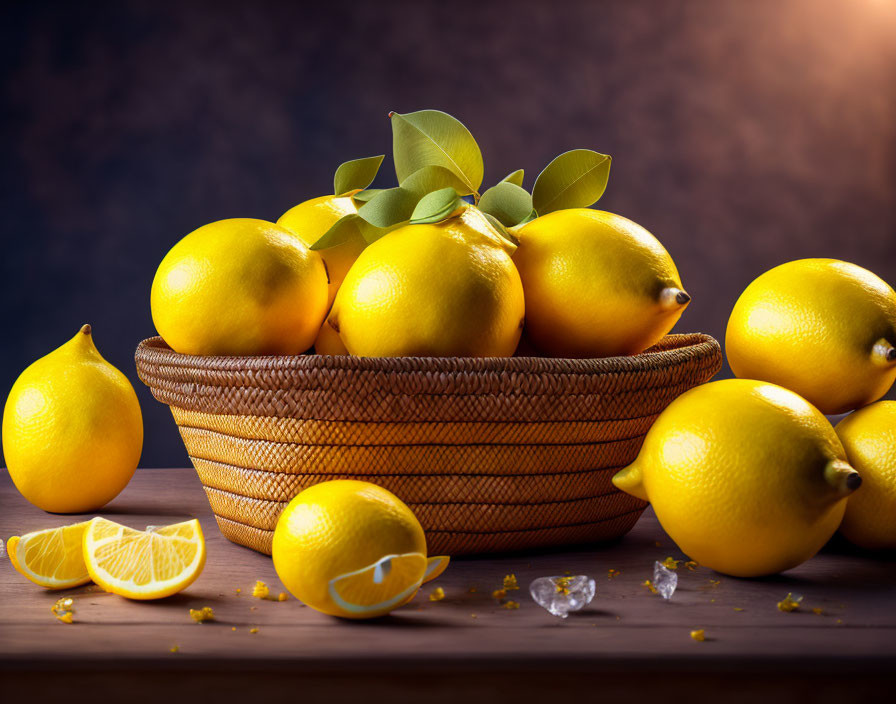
x: 744, y: 133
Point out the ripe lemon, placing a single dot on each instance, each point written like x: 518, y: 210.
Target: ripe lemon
x: 869, y: 438
x: 239, y: 287
x: 746, y: 477
x: 447, y: 289
x: 823, y: 328
x: 597, y: 284
x: 311, y: 219
x: 51, y: 558
x: 72, y: 429
x: 150, y: 564
x: 349, y: 548
x: 329, y: 342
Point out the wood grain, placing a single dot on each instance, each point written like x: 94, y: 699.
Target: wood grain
x: 628, y: 639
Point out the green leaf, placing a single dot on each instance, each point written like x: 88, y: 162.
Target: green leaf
x: 432, y: 178
x: 434, y: 138
x: 503, y: 231
x: 529, y: 218
x: 516, y: 178
x: 358, y: 173
x: 367, y: 194
x: 436, y: 206
x: 575, y: 179
x: 389, y: 207
x: 340, y: 231
x: 507, y: 202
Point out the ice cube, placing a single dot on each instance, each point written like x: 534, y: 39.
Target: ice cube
x: 560, y: 595
x: 664, y: 580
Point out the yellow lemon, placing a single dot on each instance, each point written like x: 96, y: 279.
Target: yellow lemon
x: 746, y: 477
x: 350, y: 548
x: 597, y: 284
x: 823, y: 328
x: 448, y: 289
x: 51, y: 558
x: 239, y: 287
x: 72, y: 429
x: 311, y: 219
x: 137, y: 564
x: 869, y: 438
x: 328, y: 341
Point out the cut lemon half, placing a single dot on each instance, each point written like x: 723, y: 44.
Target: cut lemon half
x: 435, y: 566
x: 51, y: 558
x: 378, y: 588
x: 150, y: 564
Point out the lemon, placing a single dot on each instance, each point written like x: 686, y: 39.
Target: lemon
x: 823, y: 328
x: 746, y: 477
x: 448, y: 289
x: 869, y: 438
x: 150, y: 564
x: 311, y: 219
x: 51, y: 558
x: 72, y: 429
x: 597, y: 284
x: 328, y: 341
x: 239, y: 287
x: 349, y: 548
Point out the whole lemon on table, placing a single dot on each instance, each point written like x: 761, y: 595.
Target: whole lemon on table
x: 746, y: 477
x: 448, y: 289
x: 311, y: 219
x: 239, y: 287
x: 869, y: 437
x: 72, y: 429
x: 823, y: 328
x: 597, y: 284
x: 349, y: 548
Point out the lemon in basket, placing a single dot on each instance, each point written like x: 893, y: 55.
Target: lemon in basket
x: 352, y: 549
x: 746, y: 477
x: 72, y: 429
x: 447, y: 289
x: 239, y: 287
x: 52, y: 558
x: 823, y: 328
x: 311, y: 219
x: 597, y: 284
x: 869, y: 437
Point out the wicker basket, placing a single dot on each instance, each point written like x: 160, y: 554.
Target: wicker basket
x: 491, y: 454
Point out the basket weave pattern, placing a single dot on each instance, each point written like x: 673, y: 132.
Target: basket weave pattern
x: 491, y: 454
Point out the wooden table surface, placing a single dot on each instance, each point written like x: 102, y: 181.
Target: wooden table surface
x: 464, y: 647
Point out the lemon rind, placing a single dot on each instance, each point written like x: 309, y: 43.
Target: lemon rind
x: 383, y: 606
x: 435, y: 566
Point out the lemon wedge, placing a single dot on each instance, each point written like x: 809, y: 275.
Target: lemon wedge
x: 434, y: 567
x: 51, y: 558
x: 150, y: 564
x: 378, y: 588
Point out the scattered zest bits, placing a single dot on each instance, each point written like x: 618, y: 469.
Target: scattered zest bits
x: 233, y: 628
x: 647, y: 583
x: 692, y: 565
x: 789, y: 603
x: 671, y: 563
x: 737, y: 608
x: 613, y: 573
x: 203, y: 614
x: 715, y: 582
x: 818, y: 611
x: 260, y: 590
x: 510, y: 583
x: 437, y: 594
x: 63, y: 609
x: 253, y: 630
x: 510, y: 604
x: 174, y: 649
x: 499, y: 594
x: 238, y: 591
x: 699, y: 635
x: 282, y: 596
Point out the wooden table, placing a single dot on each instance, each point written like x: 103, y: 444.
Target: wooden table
x: 466, y: 647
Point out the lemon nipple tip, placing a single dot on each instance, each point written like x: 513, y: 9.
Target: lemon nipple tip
x: 672, y: 298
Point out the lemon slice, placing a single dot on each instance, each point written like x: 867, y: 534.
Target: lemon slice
x: 51, y: 558
x: 434, y: 567
x: 380, y: 587
x: 150, y: 564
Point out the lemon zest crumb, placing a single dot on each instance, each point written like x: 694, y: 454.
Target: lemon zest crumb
x: 789, y: 603
x: 510, y: 583
x: 692, y: 565
x: 738, y: 608
x: 499, y: 594
x: 202, y: 615
x: 671, y: 563
x: 260, y: 590
x: 253, y: 630
x: 510, y: 604
x: 699, y: 635
x: 818, y: 611
x: 174, y: 649
x: 437, y: 594
x: 613, y: 573
x: 647, y: 583
x: 282, y: 596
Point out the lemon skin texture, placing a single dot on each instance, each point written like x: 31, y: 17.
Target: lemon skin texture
x: 338, y: 527
x: 72, y: 429
x: 869, y: 437
x: 746, y: 477
x: 311, y: 219
x: 823, y: 328
x: 597, y: 284
x: 239, y: 287
x: 448, y: 289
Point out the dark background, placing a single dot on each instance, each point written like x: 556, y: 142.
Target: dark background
x: 744, y: 133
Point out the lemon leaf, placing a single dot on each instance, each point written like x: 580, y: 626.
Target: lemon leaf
x: 432, y: 178
x: 339, y: 232
x: 575, y: 179
x: 389, y: 207
x: 436, y: 206
x: 515, y: 177
x: 434, y: 138
x: 367, y: 194
x: 507, y: 202
x: 501, y: 230
x: 357, y: 173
